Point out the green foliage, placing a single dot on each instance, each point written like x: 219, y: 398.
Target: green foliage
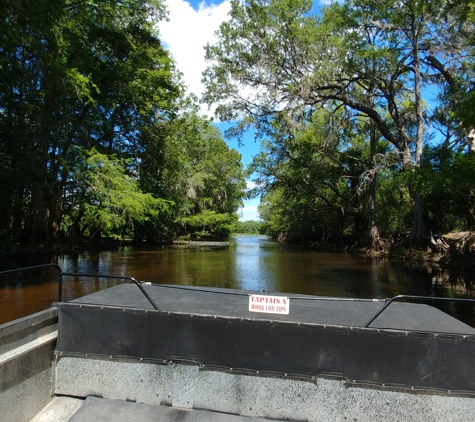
x: 209, y: 225
x: 92, y: 107
x: 248, y: 227
x: 7, y: 244
x: 395, y: 204
x: 457, y: 99
x: 109, y: 201
x: 340, y: 100
x: 313, y: 182
x: 448, y: 188
x: 201, y: 175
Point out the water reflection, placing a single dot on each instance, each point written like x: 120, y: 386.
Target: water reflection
x: 254, y: 264
x: 250, y: 263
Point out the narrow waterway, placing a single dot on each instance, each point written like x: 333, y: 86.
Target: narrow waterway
x: 249, y: 263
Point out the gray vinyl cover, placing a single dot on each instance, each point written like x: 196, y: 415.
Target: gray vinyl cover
x: 220, y: 333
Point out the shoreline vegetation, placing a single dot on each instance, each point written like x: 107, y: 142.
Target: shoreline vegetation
x: 454, y: 251
x: 356, y: 151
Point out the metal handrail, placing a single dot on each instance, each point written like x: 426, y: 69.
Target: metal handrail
x: 387, y: 302
x: 62, y: 274
x: 411, y: 297
x: 35, y: 267
x: 266, y: 291
x: 118, y: 277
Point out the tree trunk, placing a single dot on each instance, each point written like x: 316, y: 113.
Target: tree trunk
x: 471, y: 140
x: 35, y: 226
x: 418, y: 231
x: 406, y: 157
x: 418, y: 102
x: 18, y: 213
x: 6, y: 213
x: 373, y: 231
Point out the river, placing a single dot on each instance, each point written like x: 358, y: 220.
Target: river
x: 249, y: 263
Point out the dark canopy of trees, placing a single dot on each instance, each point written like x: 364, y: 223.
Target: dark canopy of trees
x: 364, y: 110
x: 96, y: 135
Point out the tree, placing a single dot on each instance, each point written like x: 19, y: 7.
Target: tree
x: 210, y: 181
x: 456, y: 112
x: 248, y: 227
x: 275, y: 58
x: 314, y: 183
x: 106, y: 201
x: 74, y: 75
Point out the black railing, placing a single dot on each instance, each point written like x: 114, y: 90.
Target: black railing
x: 62, y: 274
x: 387, y: 302
x: 418, y: 298
x: 37, y: 267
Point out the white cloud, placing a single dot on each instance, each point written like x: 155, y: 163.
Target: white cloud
x: 185, y: 35
x: 249, y: 212
x: 250, y: 184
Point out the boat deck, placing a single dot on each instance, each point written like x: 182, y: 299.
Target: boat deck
x: 94, y: 409
x: 203, y: 356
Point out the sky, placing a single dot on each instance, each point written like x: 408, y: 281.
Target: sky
x: 191, y: 25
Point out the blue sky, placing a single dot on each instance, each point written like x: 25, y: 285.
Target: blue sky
x: 196, y: 3
x: 191, y: 25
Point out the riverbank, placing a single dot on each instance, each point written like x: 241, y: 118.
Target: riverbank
x: 452, y: 250
x: 455, y: 250
x: 198, y: 244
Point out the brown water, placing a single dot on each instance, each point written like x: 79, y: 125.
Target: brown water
x: 250, y: 262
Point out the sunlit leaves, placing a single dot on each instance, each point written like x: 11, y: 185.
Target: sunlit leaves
x: 108, y: 199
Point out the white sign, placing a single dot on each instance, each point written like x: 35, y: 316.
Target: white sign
x: 269, y: 304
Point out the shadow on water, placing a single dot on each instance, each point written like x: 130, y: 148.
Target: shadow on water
x: 249, y: 263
